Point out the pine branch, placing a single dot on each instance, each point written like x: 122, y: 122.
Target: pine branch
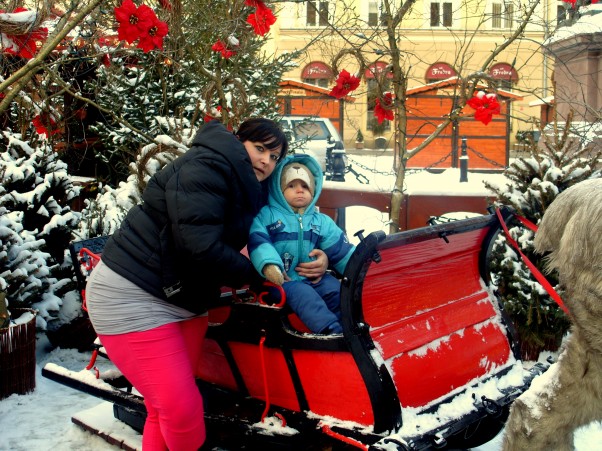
x: 58, y: 79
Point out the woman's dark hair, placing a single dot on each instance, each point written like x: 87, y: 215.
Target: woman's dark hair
x: 265, y: 131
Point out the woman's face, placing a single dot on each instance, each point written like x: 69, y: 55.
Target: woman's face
x: 263, y: 159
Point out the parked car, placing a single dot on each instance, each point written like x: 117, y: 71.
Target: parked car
x: 313, y: 135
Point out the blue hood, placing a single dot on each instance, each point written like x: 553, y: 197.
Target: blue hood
x: 276, y: 198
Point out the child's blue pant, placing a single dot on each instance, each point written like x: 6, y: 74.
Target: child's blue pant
x: 317, y: 305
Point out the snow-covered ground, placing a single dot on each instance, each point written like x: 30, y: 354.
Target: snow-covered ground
x: 42, y: 420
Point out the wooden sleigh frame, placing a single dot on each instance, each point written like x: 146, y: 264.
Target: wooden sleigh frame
x: 422, y: 330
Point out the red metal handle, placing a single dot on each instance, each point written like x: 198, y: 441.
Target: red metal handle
x: 92, y: 260
x: 280, y: 291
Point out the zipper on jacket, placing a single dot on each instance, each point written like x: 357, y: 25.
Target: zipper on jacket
x: 300, y: 237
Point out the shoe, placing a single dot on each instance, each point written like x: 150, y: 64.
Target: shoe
x: 333, y: 329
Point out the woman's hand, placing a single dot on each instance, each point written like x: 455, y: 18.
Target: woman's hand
x: 314, y: 269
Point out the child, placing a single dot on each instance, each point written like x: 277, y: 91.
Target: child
x: 284, y: 234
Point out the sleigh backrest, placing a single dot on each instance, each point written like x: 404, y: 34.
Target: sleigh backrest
x: 426, y: 310
x: 85, y: 254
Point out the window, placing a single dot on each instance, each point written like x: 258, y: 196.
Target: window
x: 373, y: 14
x: 371, y: 123
x: 321, y: 82
x: 502, y: 15
x: 441, y: 14
x: 317, y: 13
x: 305, y: 130
x: 561, y: 15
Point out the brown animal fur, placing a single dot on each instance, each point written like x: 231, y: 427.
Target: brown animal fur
x: 545, y: 417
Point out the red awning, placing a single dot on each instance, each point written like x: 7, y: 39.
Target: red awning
x: 376, y: 69
x: 440, y: 71
x: 503, y: 71
x: 317, y: 69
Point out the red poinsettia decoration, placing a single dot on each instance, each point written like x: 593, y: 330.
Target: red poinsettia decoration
x: 382, y: 108
x: 153, y: 38
x: 227, y: 50
x: 133, y: 20
x: 262, y: 19
x: 140, y: 23
x: 23, y: 45
x: 45, y: 124
x: 485, y: 106
x: 573, y: 3
x: 345, y: 83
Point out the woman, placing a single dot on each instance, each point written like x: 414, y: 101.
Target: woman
x: 147, y: 298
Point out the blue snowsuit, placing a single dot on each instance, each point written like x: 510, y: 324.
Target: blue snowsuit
x: 284, y: 238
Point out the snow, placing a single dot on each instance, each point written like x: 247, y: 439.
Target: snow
x: 590, y: 22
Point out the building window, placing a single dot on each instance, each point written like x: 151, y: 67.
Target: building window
x: 441, y: 14
x: 317, y: 13
x: 562, y: 15
x: 373, y: 14
x: 371, y: 123
x: 502, y: 15
x: 320, y: 82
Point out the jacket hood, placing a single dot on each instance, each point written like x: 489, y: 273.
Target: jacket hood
x: 276, y: 198
x: 217, y: 138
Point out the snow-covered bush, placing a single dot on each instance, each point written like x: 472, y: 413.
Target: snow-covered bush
x: 36, y: 224
x: 561, y: 159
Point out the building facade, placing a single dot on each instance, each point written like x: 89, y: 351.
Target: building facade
x: 437, y: 40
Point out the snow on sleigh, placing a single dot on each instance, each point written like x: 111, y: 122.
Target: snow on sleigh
x: 427, y: 359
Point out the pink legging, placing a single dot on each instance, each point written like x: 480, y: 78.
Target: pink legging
x: 160, y: 363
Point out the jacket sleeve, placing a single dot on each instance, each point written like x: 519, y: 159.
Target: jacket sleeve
x: 261, y: 250
x: 198, y: 196
x: 335, y: 244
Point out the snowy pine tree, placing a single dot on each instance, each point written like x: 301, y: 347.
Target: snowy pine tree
x: 36, y: 224
x: 561, y: 159
x: 153, y: 102
x: 172, y: 91
x: 145, y: 101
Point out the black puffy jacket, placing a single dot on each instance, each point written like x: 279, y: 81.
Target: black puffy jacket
x: 194, y: 220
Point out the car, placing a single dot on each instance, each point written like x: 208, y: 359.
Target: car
x: 313, y: 135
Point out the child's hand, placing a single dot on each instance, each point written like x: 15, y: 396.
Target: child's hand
x: 273, y: 274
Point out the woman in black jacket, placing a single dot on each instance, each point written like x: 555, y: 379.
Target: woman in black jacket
x: 147, y: 298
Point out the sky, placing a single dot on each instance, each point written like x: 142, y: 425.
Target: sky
x: 41, y: 420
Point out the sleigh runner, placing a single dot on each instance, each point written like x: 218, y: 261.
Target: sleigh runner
x: 427, y: 358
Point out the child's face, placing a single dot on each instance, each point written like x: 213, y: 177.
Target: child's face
x: 297, y: 194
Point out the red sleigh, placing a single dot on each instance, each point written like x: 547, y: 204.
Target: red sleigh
x: 427, y: 358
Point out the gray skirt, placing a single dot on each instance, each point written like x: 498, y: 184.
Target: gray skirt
x: 118, y: 306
